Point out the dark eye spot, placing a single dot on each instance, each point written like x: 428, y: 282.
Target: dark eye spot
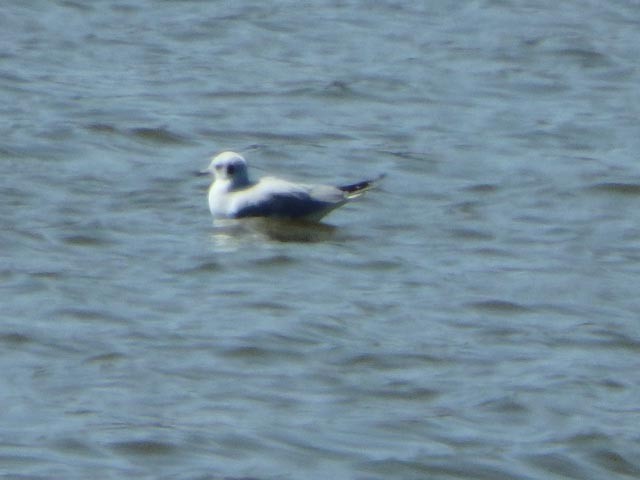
x: 231, y: 170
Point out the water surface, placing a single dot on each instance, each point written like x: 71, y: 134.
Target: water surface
x: 475, y: 317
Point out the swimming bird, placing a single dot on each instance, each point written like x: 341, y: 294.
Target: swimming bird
x: 233, y: 195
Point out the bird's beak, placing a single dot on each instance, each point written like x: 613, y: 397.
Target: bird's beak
x: 203, y: 173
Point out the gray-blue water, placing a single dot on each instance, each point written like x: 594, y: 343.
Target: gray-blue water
x: 475, y: 317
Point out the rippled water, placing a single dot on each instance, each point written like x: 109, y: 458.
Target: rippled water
x: 475, y: 317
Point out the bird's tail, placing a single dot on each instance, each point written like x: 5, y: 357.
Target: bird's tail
x: 356, y: 189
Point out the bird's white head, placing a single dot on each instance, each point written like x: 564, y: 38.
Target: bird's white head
x: 230, y: 167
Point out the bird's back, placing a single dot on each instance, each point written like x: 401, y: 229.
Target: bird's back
x: 277, y: 198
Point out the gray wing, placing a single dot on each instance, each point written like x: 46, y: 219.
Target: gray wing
x: 281, y: 199
x: 286, y: 205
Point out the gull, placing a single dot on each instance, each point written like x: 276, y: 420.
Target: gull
x: 233, y: 195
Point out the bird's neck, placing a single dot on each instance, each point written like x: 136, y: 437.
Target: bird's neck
x: 229, y: 185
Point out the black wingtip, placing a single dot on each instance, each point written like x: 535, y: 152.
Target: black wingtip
x: 363, y: 186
